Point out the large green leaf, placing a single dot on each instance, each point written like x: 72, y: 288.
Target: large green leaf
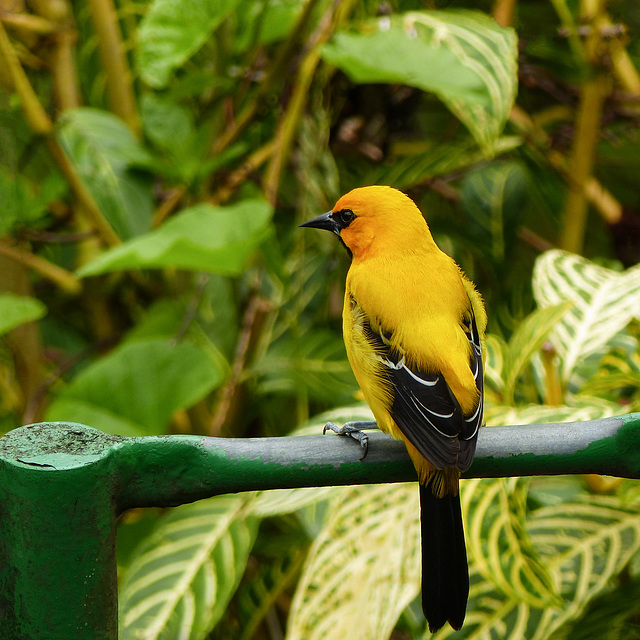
x: 604, y: 302
x: 363, y: 568
x: 138, y: 387
x: 202, y: 238
x: 104, y: 151
x: 464, y: 57
x: 181, y: 579
x: 171, y: 32
x: 16, y: 310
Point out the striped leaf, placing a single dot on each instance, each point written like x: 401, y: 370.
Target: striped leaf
x: 604, y: 301
x: 463, y: 57
x: 498, y: 543
x: 424, y: 160
x: 583, y: 545
x: 258, y: 594
x: 493, y: 197
x: 581, y: 408
x: 184, y: 574
x: 527, y: 340
x: 282, y: 501
x: 495, y: 360
x: 363, y: 569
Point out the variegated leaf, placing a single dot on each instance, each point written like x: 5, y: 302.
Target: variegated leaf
x: 493, y: 197
x: 281, y: 501
x: 583, y: 544
x: 464, y: 57
x: 604, y: 301
x: 498, y: 543
x: 184, y: 574
x: 363, y: 569
x: 526, y: 340
x: 581, y: 408
x: 494, y: 365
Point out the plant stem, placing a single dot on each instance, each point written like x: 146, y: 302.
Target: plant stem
x: 34, y: 112
x: 114, y: 59
x: 25, y: 341
x: 63, y: 278
x: 255, y: 160
x: 274, y: 75
x: 503, y: 12
x: 552, y: 380
x: 61, y: 58
x: 587, y: 129
x: 288, y: 124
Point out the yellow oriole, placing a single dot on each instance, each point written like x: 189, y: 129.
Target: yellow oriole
x: 413, y: 327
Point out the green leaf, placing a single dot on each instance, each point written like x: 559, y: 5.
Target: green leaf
x: 16, y: 310
x: 103, y: 151
x: 24, y: 203
x: 183, y: 576
x: 167, y: 124
x: 464, y: 57
x: 581, y: 408
x: 139, y: 385
x: 364, y: 567
x: 202, y: 238
x: 256, y: 597
x: 493, y: 198
x: 527, y: 339
x: 428, y: 160
x: 266, y: 22
x: 171, y: 32
x: 495, y: 362
x: 318, y: 361
x: 499, y: 543
x: 604, y: 302
x: 583, y: 545
x: 279, y: 502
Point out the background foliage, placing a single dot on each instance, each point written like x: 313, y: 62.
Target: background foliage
x: 156, y: 158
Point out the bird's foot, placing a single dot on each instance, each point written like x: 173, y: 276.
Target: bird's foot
x: 353, y: 430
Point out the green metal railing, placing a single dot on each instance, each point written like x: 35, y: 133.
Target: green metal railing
x: 63, y: 486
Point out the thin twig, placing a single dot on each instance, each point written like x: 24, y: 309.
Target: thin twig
x: 34, y: 112
x: 274, y: 76
x: 288, y: 124
x: 63, y: 278
x: 255, y: 160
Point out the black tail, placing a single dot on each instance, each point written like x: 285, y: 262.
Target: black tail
x: 445, y: 574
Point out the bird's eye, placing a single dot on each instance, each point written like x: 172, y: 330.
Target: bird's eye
x: 344, y: 217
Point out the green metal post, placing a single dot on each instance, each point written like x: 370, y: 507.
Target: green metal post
x: 63, y: 485
x: 57, y: 536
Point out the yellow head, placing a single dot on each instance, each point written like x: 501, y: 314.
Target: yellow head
x: 371, y: 220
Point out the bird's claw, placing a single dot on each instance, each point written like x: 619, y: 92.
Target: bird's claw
x: 352, y: 432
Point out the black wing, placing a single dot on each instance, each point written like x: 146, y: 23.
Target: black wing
x: 424, y: 408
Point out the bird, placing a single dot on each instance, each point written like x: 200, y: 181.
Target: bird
x: 413, y: 327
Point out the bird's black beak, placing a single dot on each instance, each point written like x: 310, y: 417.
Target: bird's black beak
x: 325, y: 221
